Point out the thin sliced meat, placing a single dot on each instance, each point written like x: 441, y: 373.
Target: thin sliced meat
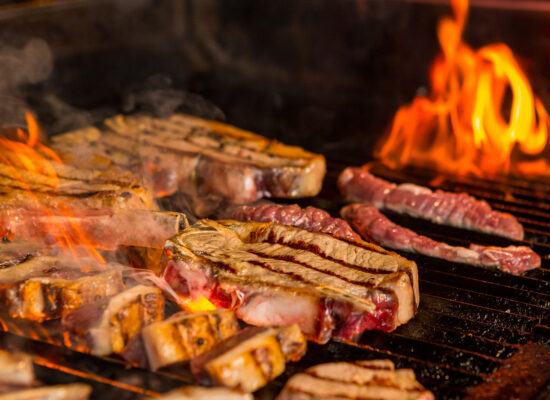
x: 370, y: 223
x: 309, y: 218
x: 454, y: 209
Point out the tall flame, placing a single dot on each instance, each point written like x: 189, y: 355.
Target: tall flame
x: 466, y: 124
x: 31, y: 156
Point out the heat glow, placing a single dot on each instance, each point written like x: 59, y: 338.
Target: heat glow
x: 480, y: 117
x: 26, y: 159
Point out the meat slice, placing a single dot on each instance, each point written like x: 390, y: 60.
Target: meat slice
x: 42, y: 298
x: 185, y: 336
x: 202, y: 393
x: 373, y: 379
x: 309, y: 218
x: 71, y: 391
x: 16, y: 369
x: 454, y: 209
x: 105, y: 229
x: 198, y: 157
x: 107, y: 326
x: 272, y: 274
x: 372, y: 224
x: 251, y: 358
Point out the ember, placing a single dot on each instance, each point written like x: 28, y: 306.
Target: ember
x: 465, y: 125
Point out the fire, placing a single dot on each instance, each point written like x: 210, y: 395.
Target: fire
x: 481, y: 116
x: 29, y: 157
x: 200, y: 305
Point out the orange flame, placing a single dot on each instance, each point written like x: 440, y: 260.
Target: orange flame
x: 465, y: 125
x: 200, y: 305
x: 33, y: 157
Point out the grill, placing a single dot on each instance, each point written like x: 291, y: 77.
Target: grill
x: 333, y: 81
x: 470, y: 320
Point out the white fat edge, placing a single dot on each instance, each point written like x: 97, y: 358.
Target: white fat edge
x: 101, y: 332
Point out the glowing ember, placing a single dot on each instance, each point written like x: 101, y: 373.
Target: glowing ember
x: 29, y: 156
x: 200, y: 305
x: 468, y: 124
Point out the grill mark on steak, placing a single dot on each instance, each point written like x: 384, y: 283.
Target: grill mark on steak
x: 293, y: 260
x: 300, y: 245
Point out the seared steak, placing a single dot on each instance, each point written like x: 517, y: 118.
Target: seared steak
x: 71, y: 391
x: 251, y: 358
x: 309, y: 218
x: 368, y: 221
x: 198, y: 157
x: 184, y: 336
x: 202, y: 393
x: 107, y: 326
x: 374, y: 379
x: 42, y: 298
x: 454, y: 209
x: 273, y: 274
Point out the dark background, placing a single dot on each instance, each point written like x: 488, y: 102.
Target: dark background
x: 324, y: 74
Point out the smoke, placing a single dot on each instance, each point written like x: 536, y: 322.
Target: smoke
x: 156, y: 96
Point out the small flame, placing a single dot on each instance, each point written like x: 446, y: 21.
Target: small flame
x: 200, y: 305
x: 30, y: 156
x: 462, y: 127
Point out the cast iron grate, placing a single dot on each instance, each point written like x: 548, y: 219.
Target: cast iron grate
x: 469, y: 322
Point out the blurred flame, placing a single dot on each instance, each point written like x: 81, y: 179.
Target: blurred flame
x: 461, y: 127
x: 35, y: 158
x: 200, y: 305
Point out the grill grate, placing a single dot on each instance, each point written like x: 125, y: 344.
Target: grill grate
x: 470, y: 319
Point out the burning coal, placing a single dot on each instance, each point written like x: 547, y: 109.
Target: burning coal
x: 480, y: 117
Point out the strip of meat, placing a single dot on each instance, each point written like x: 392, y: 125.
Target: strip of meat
x: 106, y: 229
x: 273, y: 274
x: 107, y: 326
x: 310, y: 218
x: 183, y: 337
x: 74, y: 188
x: 43, y: 298
x: 71, y: 391
x: 373, y: 379
x: 198, y: 157
x: 15, y: 369
x: 454, y: 209
x: 249, y: 359
x: 202, y: 393
x: 368, y: 221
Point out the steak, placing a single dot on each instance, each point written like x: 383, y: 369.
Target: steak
x: 455, y: 209
x: 43, y: 298
x: 373, y: 379
x: 203, y: 159
x: 372, y: 224
x: 184, y: 336
x: 272, y: 274
x: 251, y: 358
x: 71, y: 391
x: 106, y: 326
x: 202, y: 393
x: 309, y: 218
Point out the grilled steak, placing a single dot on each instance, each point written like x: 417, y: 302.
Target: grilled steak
x: 310, y: 218
x: 202, y: 393
x: 198, y: 157
x: 251, y: 358
x: 43, y: 298
x: 374, y: 379
x: 15, y: 369
x: 106, y: 229
x: 107, y: 326
x: 454, y: 209
x: 368, y: 221
x: 73, y: 188
x: 183, y: 337
x: 273, y: 274
x: 71, y: 391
